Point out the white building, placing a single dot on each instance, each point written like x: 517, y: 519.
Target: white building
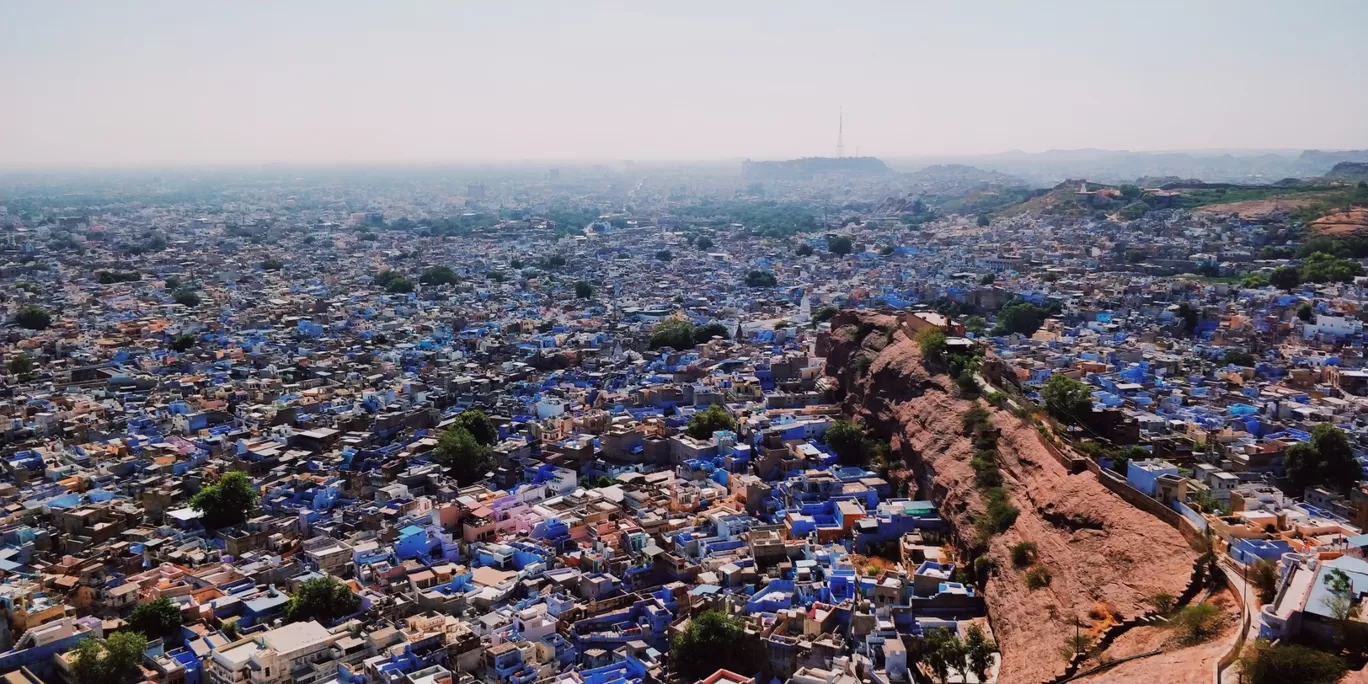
x: 291, y: 654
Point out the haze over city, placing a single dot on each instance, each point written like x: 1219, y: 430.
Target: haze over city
x: 110, y: 84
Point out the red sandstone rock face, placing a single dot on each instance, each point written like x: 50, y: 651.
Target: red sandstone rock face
x: 1098, y: 548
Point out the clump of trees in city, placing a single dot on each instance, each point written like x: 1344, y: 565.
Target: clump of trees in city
x: 324, y: 599
x: 1328, y: 459
x: 1067, y: 399
x: 226, y: 501
x: 114, y: 660
x: 438, y: 275
x: 33, y: 318
x: 680, y: 334
x: 111, y: 277
x: 761, y: 279
x: 852, y: 445
x: 839, y: 245
x: 714, y: 640
x: 157, y: 618
x: 704, y: 423
x: 464, y: 448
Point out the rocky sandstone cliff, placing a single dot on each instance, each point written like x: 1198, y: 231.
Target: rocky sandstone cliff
x: 1098, y: 549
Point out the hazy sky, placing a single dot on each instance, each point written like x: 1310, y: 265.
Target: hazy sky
x: 100, y: 83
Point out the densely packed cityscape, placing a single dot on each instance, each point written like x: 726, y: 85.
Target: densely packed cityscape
x: 817, y: 422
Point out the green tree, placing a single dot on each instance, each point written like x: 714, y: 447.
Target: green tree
x: 157, y: 618
x: 438, y: 275
x: 324, y: 599
x: 714, y: 640
x: 183, y: 343
x: 983, y: 220
x: 704, y: 423
x: 945, y: 653
x: 1134, y: 210
x: 664, y: 255
x: 272, y: 264
x: 987, y: 279
x: 933, y: 345
x: 583, y: 289
x: 1024, y: 554
x: 1285, y: 278
x: 673, y: 333
x: 761, y: 279
x: 33, y: 318
x: 824, y: 313
x: 703, y: 243
x: 803, y: 250
x: 1325, y: 268
x: 705, y: 333
x: 187, y: 298
x: 1305, y: 312
x: 1254, y: 281
x: 1021, y: 318
x: 1339, y: 595
x: 225, y: 502
x: 479, y: 425
x: 171, y: 283
x: 1264, y: 576
x: 400, y: 285
x: 20, y: 364
x: 116, y: 660
x: 1188, y: 317
x: 1239, y: 357
x: 976, y: 324
x: 980, y: 650
x: 887, y: 250
x: 464, y: 457
x: 554, y: 261
x: 1327, y: 460
x: 839, y: 245
x: 1197, y: 623
x: 847, y: 441
x: 1263, y: 663
x: 1066, y: 399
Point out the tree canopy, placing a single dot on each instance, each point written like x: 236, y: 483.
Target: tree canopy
x: 187, y: 298
x: 1285, y: 278
x: 761, y: 279
x: 1021, y: 318
x: 1327, y: 460
x: 33, y: 318
x: 114, y: 661
x: 462, y: 454
x: 324, y: 599
x: 839, y: 245
x: 20, y: 364
x: 847, y: 441
x: 1263, y: 663
x: 824, y: 313
x: 664, y: 255
x: 673, y: 333
x: 583, y: 289
x: 225, y: 502
x: 157, y: 618
x: 714, y: 640
x: 803, y: 250
x: 438, y: 275
x: 704, y: 423
x: 703, y: 242
x: 1066, y: 398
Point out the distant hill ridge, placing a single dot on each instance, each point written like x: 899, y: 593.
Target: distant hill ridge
x: 810, y: 167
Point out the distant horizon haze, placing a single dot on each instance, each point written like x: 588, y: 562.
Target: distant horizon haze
x: 175, y: 84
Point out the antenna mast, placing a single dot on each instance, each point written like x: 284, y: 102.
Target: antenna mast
x: 840, y: 134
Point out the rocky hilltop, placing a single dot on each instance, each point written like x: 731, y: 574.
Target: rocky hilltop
x: 1106, y: 558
